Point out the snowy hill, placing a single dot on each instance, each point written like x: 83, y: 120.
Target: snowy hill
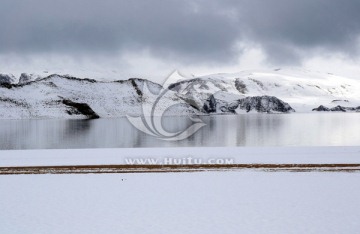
x: 44, y: 98
x: 284, y: 91
x: 302, y: 90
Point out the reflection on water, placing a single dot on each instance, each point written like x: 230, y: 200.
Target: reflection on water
x: 313, y: 129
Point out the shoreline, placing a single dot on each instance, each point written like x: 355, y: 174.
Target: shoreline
x: 105, y: 169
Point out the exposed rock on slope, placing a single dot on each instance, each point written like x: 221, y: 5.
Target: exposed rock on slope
x: 26, y: 78
x: 261, y: 104
x: 210, y: 105
x: 265, y: 104
x: 338, y: 109
x: 81, y: 108
x: 7, y: 79
x: 321, y: 108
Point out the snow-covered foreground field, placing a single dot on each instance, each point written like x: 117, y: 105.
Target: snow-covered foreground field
x: 241, y: 201
x: 207, y: 202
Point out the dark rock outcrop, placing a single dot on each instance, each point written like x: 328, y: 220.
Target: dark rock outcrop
x: 267, y: 104
x: 7, y: 79
x: 240, y: 86
x: 82, y: 108
x: 68, y: 77
x: 337, y: 109
x: 321, y: 108
x: 26, y: 78
x: 210, y: 105
x: 15, y: 102
x: 136, y: 87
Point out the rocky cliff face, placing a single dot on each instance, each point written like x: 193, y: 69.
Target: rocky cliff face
x: 265, y: 104
x: 260, y: 104
x: 7, y: 79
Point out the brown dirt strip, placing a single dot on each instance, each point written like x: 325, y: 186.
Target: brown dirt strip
x: 98, y: 169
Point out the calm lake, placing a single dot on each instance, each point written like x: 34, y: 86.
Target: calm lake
x: 312, y: 129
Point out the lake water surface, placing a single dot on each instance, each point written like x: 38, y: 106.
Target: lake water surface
x: 312, y: 129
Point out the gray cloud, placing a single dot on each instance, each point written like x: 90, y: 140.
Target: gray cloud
x: 283, y: 27
x: 194, y: 31
x: 164, y: 27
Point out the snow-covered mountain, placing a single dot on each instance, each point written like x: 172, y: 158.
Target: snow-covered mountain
x: 302, y: 90
x: 61, y: 97
x: 284, y: 91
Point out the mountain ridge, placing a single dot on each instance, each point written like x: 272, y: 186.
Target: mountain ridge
x: 248, y: 91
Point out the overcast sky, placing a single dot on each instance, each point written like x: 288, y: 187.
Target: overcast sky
x: 121, y: 38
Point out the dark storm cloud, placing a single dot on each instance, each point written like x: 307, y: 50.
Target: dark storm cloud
x: 164, y: 27
x: 193, y: 30
x: 283, y: 27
